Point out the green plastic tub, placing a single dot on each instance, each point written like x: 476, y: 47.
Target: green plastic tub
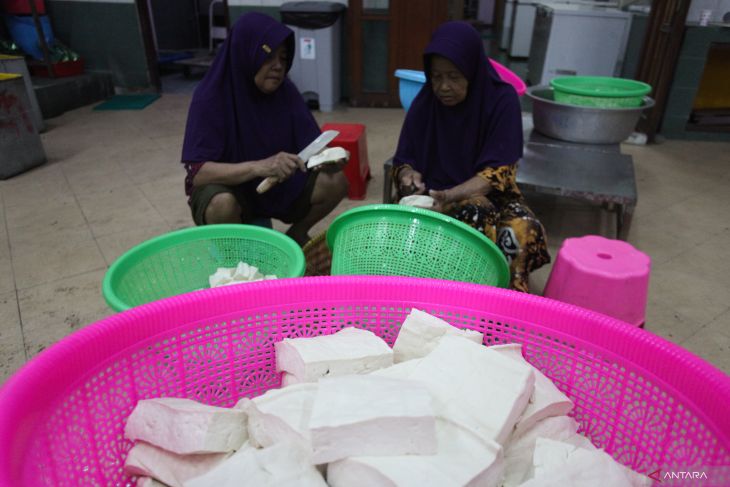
x: 395, y: 240
x: 599, y: 91
x: 182, y: 261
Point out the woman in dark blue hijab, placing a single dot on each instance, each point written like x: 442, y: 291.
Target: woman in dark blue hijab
x: 247, y: 121
x: 460, y: 143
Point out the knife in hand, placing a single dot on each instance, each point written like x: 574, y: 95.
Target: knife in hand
x: 314, y: 148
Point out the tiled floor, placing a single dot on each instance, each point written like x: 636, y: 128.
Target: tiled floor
x: 113, y: 180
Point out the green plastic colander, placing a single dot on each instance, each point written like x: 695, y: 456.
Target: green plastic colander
x: 395, y: 240
x: 181, y: 261
x: 599, y: 91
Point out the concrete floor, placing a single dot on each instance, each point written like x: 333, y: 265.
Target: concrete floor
x: 113, y: 180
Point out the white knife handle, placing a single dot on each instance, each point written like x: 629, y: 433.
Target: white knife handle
x: 267, y: 184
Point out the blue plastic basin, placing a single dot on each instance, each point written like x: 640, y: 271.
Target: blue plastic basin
x: 410, y: 83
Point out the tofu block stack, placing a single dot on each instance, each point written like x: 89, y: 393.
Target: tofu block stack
x: 439, y: 409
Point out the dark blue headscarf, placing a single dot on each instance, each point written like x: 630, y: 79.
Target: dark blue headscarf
x: 231, y: 120
x: 449, y: 145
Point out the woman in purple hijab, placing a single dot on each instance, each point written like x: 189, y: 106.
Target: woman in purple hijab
x: 247, y: 121
x: 460, y: 144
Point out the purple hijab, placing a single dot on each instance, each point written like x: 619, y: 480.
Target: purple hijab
x: 231, y: 120
x: 449, y: 145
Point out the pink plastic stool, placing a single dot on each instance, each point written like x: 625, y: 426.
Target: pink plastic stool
x: 608, y: 276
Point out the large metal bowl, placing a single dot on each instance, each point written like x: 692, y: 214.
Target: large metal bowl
x: 588, y: 125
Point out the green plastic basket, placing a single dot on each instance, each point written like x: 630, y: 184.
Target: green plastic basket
x: 395, y: 240
x: 599, y: 91
x: 182, y: 261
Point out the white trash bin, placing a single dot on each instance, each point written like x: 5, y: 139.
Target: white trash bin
x: 317, y: 30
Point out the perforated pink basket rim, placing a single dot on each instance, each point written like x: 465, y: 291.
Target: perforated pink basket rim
x: 26, y: 395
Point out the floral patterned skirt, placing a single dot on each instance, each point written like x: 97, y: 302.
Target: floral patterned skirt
x: 504, y: 217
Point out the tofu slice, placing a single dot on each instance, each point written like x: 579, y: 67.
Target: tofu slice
x: 184, y: 426
x: 349, y: 351
x: 402, y: 370
x: 167, y: 467
x: 360, y: 415
x: 280, y: 415
x: 520, y: 449
x: 245, y: 273
x: 328, y: 156
x: 221, y: 277
x: 463, y: 458
x: 282, y: 465
x: 420, y: 333
x: 149, y: 482
x: 476, y: 386
x: 287, y: 380
x: 417, y: 200
x: 546, y: 400
x: 561, y: 464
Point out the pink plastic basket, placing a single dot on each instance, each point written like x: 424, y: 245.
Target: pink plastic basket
x: 649, y: 403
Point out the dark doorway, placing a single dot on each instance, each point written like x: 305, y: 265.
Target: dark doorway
x: 385, y: 36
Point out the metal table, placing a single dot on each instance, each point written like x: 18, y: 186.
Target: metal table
x: 534, y: 137
x: 597, y: 173
x: 593, y: 173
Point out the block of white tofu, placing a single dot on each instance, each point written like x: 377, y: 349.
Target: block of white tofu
x: 167, y: 467
x: 185, y: 426
x: 402, y: 370
x: 363, y: 415
x: 417, y: 200
x: 221, y: 277
x: 330, y: 155
x: 281, y: 465
x: 280, y: 415
x: 476, y: 386
x: 149, y: 482
x: 349, y: 351
x: 420, y: 333
x: 463, y: 458
x: 520, y: 449
x: 546, y: 400
x: 579, y: 441
x: 287, y: 379
x: 245, y: 272
x: 561, y: 464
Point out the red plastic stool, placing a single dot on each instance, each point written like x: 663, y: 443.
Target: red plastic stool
x: 353, y: 138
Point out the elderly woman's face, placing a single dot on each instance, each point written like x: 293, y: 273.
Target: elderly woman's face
x: 272, y: 72
x: 449, y: 84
